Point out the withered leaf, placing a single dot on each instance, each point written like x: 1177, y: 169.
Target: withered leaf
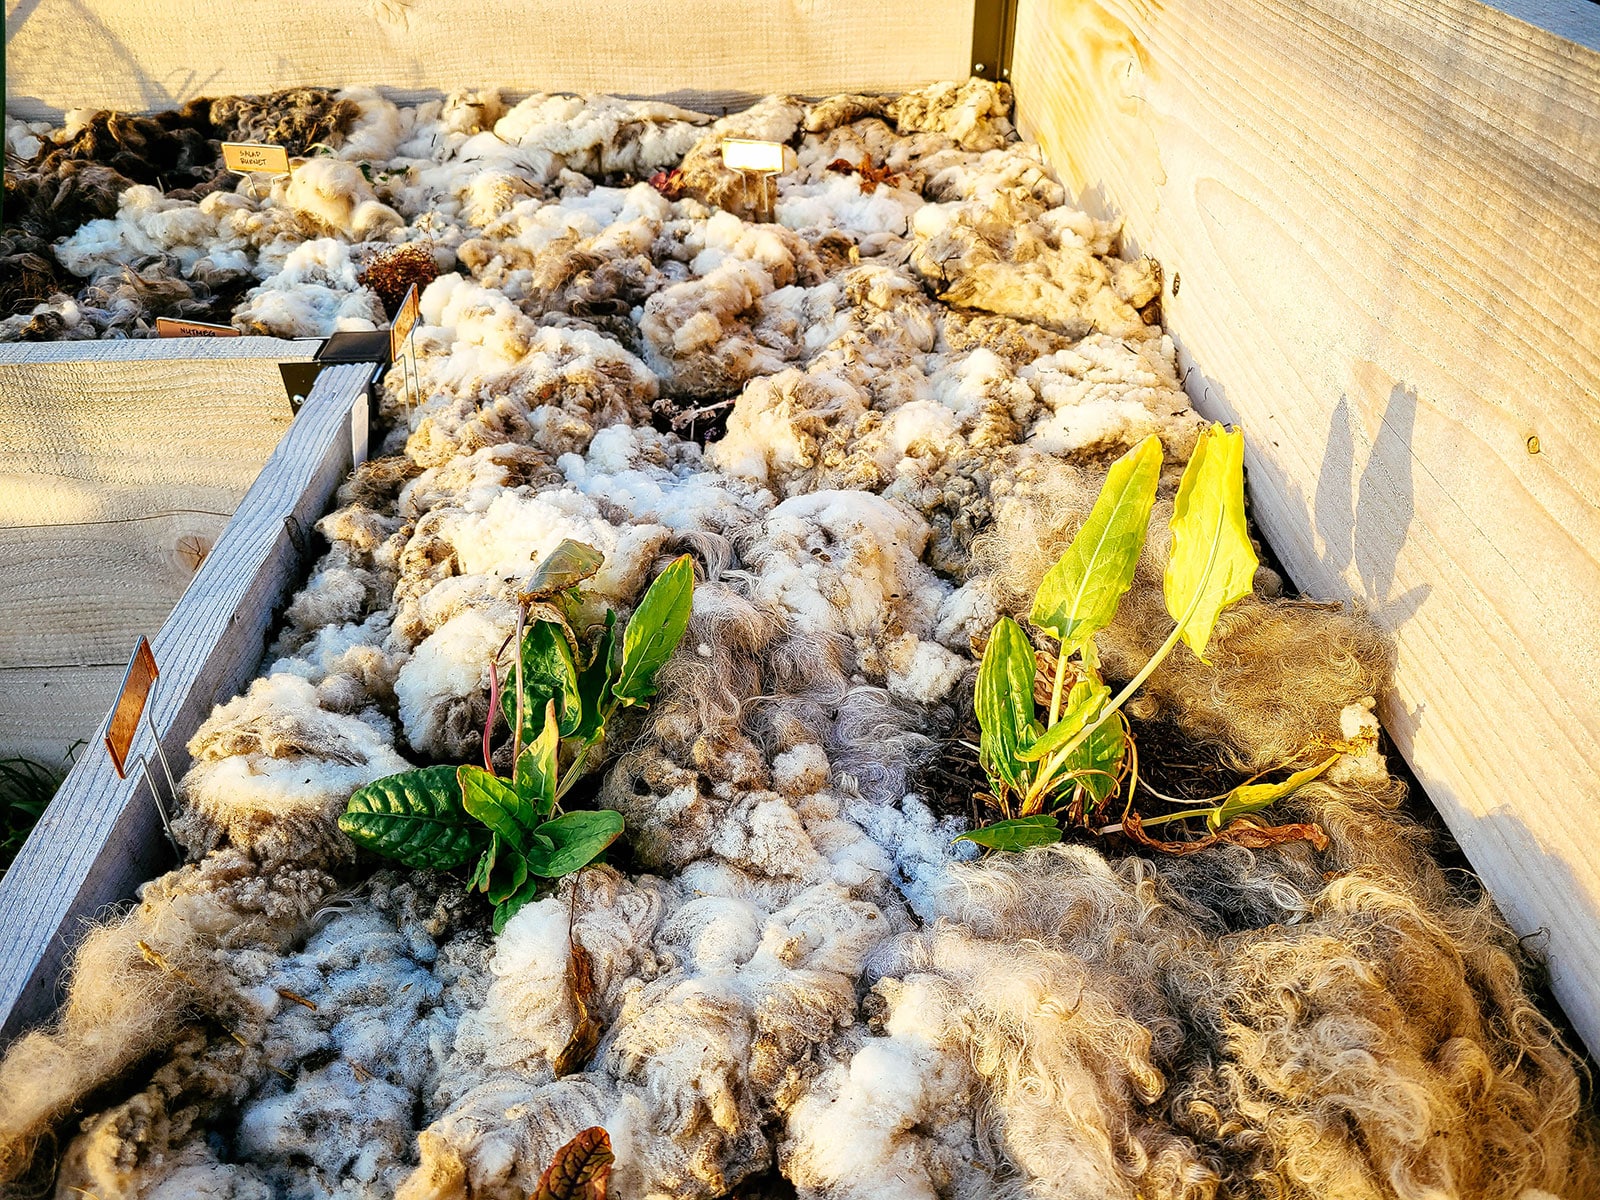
x: 579, y: 1170
x: 1240, y: 833
x: 585, y: 1037
x: 871, y: 176
x: 565, y: 567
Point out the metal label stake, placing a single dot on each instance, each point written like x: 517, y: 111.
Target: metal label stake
x: 761, y: 160
x: 402, y: 347
x: 138, y: 684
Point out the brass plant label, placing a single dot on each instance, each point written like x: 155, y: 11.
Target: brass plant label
x: 405, y: 320
x: 172, y: 327
x: 125, y: 713
x: 247, y: 157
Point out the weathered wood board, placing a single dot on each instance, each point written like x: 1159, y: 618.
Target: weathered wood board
x: 142, y: 55
x: 120, y: 463
x: 100, y: 837
x: 1380, y: 226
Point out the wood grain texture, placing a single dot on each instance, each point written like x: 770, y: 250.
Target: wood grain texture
x: 132, y: 428
x: 142, y: 55
x: 1380, y: 226
x: 47, y: 711
x: 76, y: 594
x: 118, y: 460
x: 100, y: 837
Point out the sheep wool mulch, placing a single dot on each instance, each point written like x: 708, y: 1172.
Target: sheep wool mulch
x: 912, y: 383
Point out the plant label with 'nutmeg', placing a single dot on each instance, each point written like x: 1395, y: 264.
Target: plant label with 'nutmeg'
x: 247, y: 158
x: 171, y: 327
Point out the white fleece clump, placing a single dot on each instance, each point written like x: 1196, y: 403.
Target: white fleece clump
x: 662, y: 481
x: 895, y: 1118
x: 316, y: 293
x: 452, y: 663
x: 24, y: 139
x: 1108, y: 393
x: 338, y: 195
x: 849, y: 563
x: 273, y: 765
x: 597, y: 135
x: 517, y: 530
x: 375, y: 134
x: 146, y: 223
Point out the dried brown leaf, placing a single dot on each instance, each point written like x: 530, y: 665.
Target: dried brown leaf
x: 579, y: 1170
x: 871, y: 176
x: 668, y: 183
x: 1240, y: 833
x: 585, y: 1037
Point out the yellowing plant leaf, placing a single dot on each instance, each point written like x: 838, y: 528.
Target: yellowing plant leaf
x: 568, y: 565
x: 1252, y: 797
x: 535, y: 775
x: 548, y: 670
x: 1003, y: 699
x: 1079, y: 595
x: 1083, y: 705
x: 1213, y: 563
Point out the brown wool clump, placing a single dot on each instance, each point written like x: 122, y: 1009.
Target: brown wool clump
x: 393, y: 271
x: 295, y: 118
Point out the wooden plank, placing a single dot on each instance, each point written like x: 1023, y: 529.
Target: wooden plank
x: 142, y: 55
x: 45, y: 711
x: 82, y: 593
x: 100, y: 838
x: 130, y: 428
x: 1379, y: 224
x: 116, y: 459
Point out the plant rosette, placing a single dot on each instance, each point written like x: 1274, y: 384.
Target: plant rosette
x: 558, y: 697
x: 1070, y: 765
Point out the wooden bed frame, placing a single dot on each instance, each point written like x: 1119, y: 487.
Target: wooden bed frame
x: 120, y: 464
x: 101, y: 836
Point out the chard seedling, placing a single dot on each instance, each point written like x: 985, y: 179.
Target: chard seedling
x: 1071, y: 764
x: 558, y: 696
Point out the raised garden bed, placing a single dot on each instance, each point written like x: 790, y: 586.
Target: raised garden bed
x: 909, y: 391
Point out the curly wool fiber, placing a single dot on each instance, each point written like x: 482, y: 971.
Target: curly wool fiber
x: 794, y: 969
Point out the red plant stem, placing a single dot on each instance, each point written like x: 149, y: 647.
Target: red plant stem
x: 494, y: 704
x: 494, y: 700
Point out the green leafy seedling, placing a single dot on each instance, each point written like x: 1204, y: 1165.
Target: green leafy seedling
x: 557, y: 698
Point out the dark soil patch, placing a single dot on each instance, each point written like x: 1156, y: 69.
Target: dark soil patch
x: 1169, y: 760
